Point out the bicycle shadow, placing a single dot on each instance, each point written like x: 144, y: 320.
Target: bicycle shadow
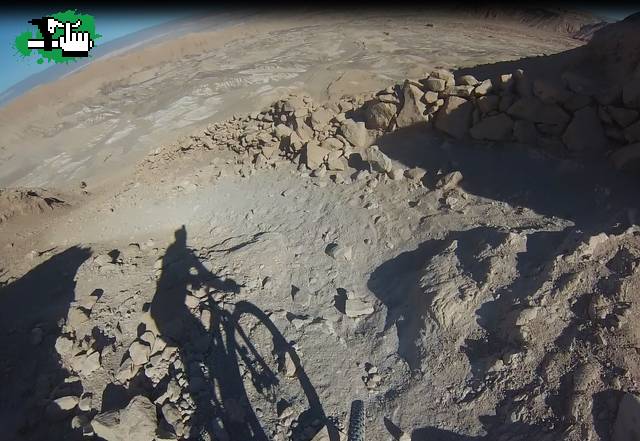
x: 32, y: 372
x: 212, y: 355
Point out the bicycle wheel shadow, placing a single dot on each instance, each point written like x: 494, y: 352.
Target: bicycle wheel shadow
x: 215, y: 361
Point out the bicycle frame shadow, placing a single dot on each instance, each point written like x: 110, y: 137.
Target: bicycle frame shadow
x: 212, y: 351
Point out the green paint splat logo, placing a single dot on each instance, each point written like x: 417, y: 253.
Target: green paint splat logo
x: 61, y: 37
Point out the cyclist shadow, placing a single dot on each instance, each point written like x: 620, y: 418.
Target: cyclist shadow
x: 210, y: 352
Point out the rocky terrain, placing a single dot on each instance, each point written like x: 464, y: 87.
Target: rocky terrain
x: 458, y: 250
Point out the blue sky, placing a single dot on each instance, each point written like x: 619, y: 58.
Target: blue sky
x: 110, y: 25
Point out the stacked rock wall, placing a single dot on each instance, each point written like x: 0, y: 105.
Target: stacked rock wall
x: 571, y: 117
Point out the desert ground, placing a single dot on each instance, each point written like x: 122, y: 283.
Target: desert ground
x: 237, y: 233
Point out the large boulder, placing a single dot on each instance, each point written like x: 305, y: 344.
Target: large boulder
x: 493, y: 128
x: 585, y: 133
x: 378, y: 160
x: 549, y: 92
x: 314, y: 155
x: 454, y: 118
x: 534, y: 110
x: 379, y: 115
x: 136, y: 422
x: 320, y: 118
x: 413, y: 108
x: 355, y: 133
x: 435, y: 84
x: 467, y: 80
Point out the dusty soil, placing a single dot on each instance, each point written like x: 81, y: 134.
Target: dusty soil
x: 496, y: 309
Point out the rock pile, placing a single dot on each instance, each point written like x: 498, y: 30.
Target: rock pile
x: 571, y: 117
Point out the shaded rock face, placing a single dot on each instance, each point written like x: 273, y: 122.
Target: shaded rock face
x: 585, y: 132
x: 413, y: 109
x: 455, y: 117
x: 493, y: 128
x: 379, y: 115
x: 137, y: 421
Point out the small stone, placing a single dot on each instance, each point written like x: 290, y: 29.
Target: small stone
x: 85, y: 402
x: 290, y: 368
x: 139, y: 352
x: 467, y: 80
x: 191, y: 302
x: 493, y: 128
x: 415, y: 174
x: 506, y: 82
x: 282, y: 131
x: 64, y: 345
x: 443, y: 74
x: 585, y: 132
x: 430, y: 97
x: 435, y: 84
x: 379, y: 115
x: 356, y: 307
x: 483, y: 88
x: 396, y: 174
x: 449, y: 181
x: 355, y: 133
x: 461, y: 91
x: 339, y: 252
x: 91, y: 363
x: 79, y: 422
x: 378, y: 160
x: 76, y: 317
x: 66, y: 403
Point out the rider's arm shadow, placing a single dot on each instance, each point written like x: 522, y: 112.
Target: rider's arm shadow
x: 204, y: 277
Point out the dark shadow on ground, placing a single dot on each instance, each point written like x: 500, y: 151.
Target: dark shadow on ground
x: 547, y: 67
x: 223, y: 406
x: 516, y: 175
x: 32, y: 372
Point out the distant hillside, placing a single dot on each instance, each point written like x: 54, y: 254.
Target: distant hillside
x: 578, y: 24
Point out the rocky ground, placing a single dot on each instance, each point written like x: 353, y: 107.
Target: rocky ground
x: 406, y: 247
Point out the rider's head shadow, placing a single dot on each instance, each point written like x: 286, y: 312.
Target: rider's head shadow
x: 181, y: 273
